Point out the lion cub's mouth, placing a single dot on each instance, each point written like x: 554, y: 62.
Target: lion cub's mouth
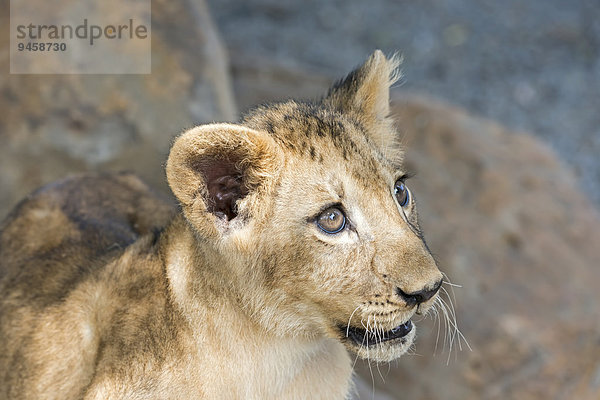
x: 362, y: 337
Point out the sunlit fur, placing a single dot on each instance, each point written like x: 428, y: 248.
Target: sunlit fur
x: 203, y: 306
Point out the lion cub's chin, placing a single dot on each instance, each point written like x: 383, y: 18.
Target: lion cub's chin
x: 380, y: 346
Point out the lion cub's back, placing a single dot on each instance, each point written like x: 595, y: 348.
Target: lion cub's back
x: 66, y: 229
x: 55, y: 240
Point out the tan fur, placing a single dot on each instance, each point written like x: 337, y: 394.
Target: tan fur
x: 106, y: 292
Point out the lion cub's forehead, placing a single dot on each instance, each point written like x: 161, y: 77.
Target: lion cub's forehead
x: 325, y: 137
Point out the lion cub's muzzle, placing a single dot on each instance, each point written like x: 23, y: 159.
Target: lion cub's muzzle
x: 372, y: 338
x: 367, y: 337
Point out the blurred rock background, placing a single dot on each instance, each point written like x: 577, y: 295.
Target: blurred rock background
x: 507, y: 213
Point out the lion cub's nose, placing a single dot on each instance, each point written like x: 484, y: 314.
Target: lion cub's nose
x: 420, y: 296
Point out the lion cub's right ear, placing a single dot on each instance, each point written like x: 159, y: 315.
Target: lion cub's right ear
x: 219, y: 172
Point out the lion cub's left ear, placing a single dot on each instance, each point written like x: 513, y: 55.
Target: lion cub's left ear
x: 218, y: 173
x: 365, y: 93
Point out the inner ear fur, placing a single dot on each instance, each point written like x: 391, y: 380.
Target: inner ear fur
x: 212, y: 168
x: 365, y: 93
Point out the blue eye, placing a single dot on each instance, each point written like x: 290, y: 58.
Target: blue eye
x: 331, y: 220
x: 401, y: 193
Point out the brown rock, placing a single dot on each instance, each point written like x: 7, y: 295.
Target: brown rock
x: 509, y: 224
x: 54, y: 125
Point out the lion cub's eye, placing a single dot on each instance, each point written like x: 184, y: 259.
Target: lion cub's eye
x: 331, y: 220
x: 401, y: 192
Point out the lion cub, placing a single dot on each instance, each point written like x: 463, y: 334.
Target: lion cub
x: 296, y: 240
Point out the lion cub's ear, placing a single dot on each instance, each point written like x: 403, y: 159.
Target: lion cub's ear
x: 218, y: 171
x: 365, y: 92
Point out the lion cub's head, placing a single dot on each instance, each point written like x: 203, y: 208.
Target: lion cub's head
x: 305, y: 210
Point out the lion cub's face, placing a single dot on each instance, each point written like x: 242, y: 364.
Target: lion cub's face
x: 311, y: 205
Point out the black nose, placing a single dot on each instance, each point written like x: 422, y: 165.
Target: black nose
x: 419, y: 297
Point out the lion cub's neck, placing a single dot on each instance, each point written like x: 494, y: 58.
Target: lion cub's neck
x: 249, y: 361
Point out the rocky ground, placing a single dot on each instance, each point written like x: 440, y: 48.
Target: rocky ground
x: 502, y: 211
